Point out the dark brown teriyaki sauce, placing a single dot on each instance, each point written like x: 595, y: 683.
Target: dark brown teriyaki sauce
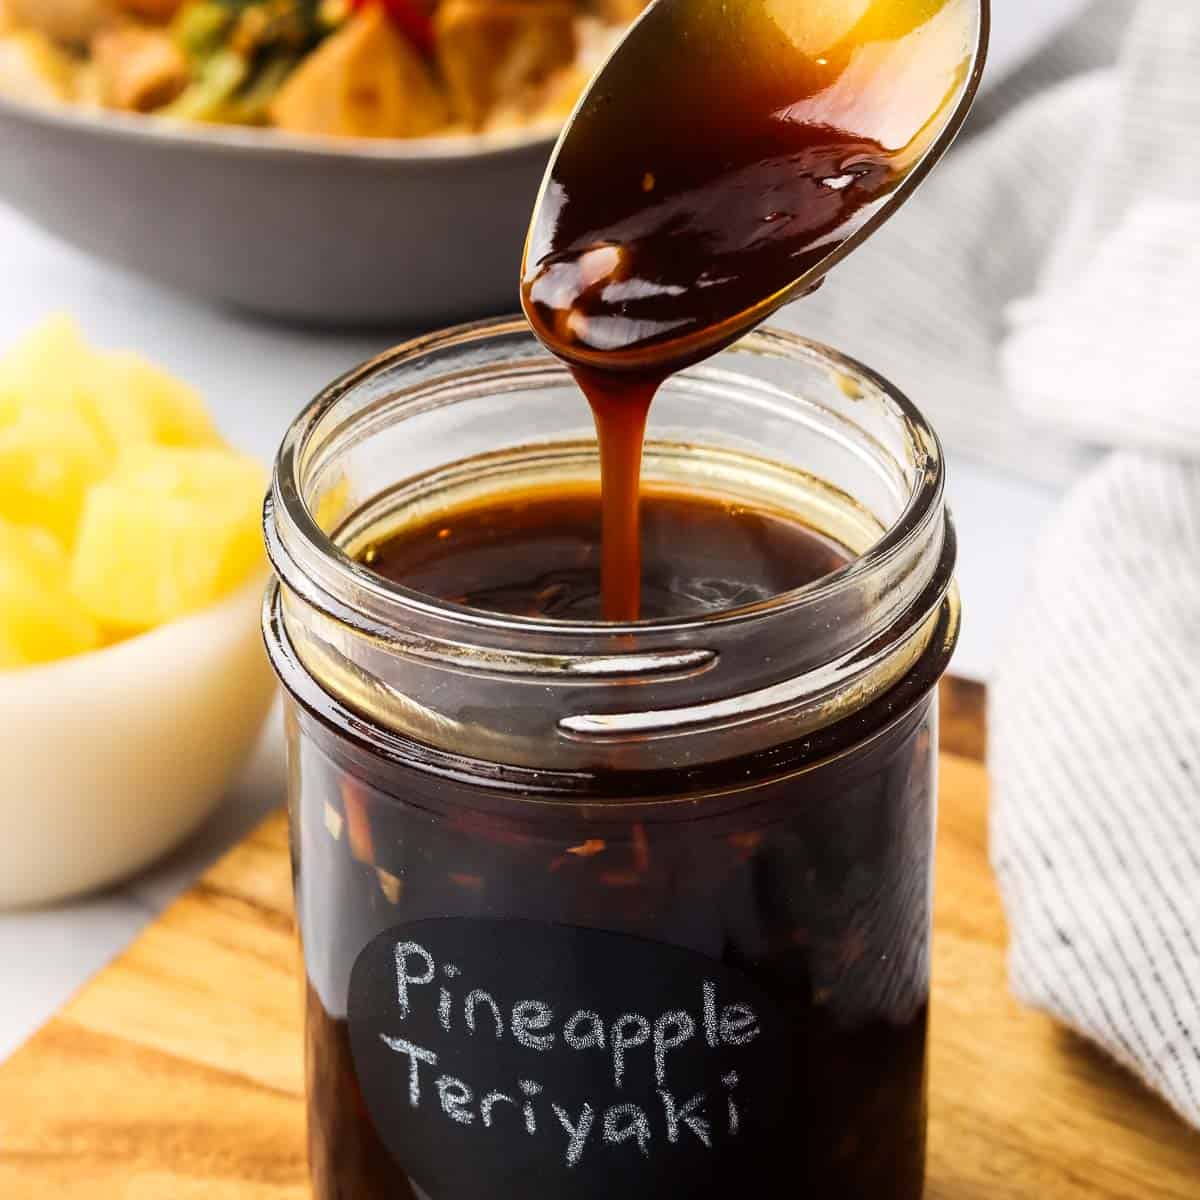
x: 724, y: 152
x: 816, y: 888
x: 813, y: 884
x: 539, y: 553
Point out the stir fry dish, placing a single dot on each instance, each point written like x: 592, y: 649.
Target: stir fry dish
x: 343, y: 68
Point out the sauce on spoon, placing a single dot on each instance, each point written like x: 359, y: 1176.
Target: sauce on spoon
x: 725, y: 157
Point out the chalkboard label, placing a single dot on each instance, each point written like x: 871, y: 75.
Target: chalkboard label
x: 517, y: 1059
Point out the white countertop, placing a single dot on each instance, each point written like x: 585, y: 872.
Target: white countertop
x: 256, y: 376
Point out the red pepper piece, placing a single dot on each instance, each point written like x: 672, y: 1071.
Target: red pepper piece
x: 409, y: 17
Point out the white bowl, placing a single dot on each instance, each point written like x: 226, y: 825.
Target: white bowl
x: 108, y: 760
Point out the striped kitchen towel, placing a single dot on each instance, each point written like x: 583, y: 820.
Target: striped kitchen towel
x: 923, y: 300
x: 1095, y: 710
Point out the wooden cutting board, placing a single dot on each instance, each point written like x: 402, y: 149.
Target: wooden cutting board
x: 177, y: 1072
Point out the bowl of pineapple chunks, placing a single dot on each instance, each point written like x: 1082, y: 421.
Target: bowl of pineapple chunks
x: 133, y: 684
x: 331, y: 162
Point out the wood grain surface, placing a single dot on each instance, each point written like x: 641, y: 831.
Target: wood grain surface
x: 176, y: 1073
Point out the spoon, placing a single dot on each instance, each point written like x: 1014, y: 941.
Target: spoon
x: 727, y: 155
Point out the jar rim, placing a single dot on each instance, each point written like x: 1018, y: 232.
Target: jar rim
x: 659, y: 794
x: 290, y: 522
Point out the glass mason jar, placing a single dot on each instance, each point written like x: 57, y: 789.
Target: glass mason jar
x: 591, y: 909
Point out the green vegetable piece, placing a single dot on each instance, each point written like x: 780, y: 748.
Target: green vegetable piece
x: 210, y: 96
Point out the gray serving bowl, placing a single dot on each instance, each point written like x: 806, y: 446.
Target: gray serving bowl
x: 320, y: 231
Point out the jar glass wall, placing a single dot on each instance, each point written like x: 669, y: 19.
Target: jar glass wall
x: 586, y: 907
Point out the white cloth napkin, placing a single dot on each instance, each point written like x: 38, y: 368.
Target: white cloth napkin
x: 1095, y: 759
x: 1040, y: 300
x: 1095, y: 714
x: 924, y: 300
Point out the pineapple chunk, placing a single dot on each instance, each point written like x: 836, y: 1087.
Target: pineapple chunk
x: 136, y: 403
x: 120, y: 507
x: 44, y: 367
x: 39, y: 618
x: 67, y: 412
x: 49, y: 457
x: 51, y: 451
x: 128, y: 400
x: 169, y: 532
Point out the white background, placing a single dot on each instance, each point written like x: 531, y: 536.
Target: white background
x: 256, y: 376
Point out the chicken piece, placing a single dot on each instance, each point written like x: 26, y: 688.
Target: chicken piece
x: 364, y: 81
x: 494, y: 53
x: 563, y: 94
x: 73, y: 21
x: 620, y: 12
x: 34, y: 69
x: 545, y: 107
x: 157, y: 11
x: 138, y: 70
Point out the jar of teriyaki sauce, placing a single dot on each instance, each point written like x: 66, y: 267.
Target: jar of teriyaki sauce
x: 595, y: 910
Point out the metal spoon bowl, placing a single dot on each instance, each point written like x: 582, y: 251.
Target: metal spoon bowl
x: 728, y: 155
